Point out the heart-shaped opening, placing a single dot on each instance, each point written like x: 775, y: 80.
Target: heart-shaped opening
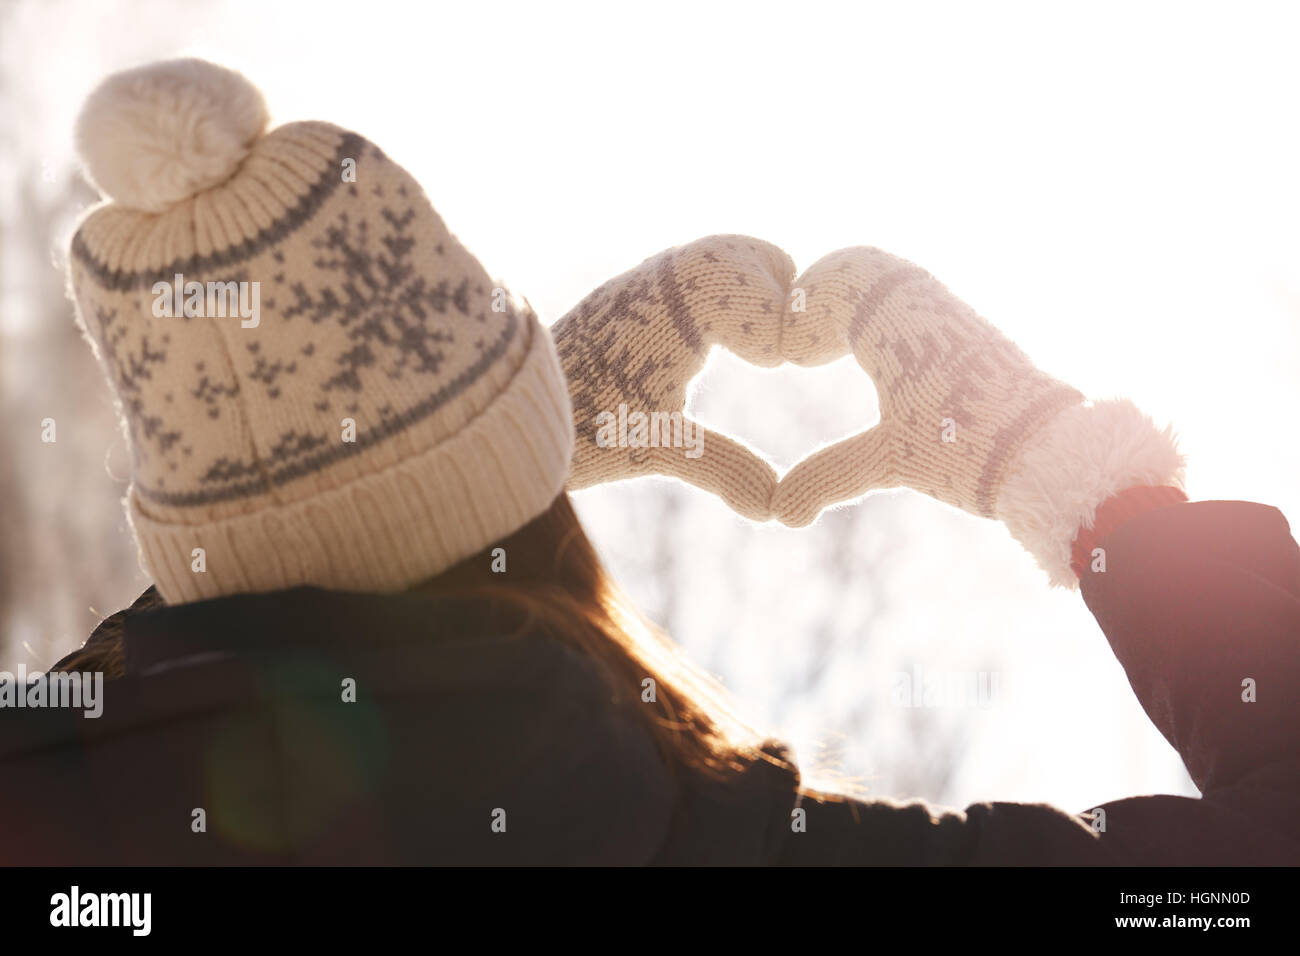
x: 786, y: 412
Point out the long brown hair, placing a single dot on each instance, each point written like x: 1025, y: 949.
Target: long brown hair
x: 555, y: 576
x: 556, y: 579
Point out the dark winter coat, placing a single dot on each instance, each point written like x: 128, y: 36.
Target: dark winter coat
x: 233, y: 706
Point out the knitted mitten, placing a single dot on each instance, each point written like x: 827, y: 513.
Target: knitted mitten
x: 631, y: 347
x: 966, y: 418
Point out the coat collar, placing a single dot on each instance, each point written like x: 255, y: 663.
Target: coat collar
x: 158, y: 634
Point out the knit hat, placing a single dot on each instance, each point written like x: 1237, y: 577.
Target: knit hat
x: 319, y: 384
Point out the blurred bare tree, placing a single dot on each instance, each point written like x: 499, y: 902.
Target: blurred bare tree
x: 65, y: 548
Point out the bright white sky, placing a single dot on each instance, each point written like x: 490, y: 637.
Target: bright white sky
x: 1114, y: 185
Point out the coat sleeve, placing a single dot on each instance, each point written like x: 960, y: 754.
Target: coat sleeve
x: 1201, y: 605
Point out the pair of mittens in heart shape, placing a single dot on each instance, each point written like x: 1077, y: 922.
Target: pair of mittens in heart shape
x: 957, y: 398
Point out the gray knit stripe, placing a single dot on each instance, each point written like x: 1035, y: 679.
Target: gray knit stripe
x: 117, y: 281
x: 1055, y: 398
x: 286, y: 473
x: 874, y: 298
x: 678, y: 313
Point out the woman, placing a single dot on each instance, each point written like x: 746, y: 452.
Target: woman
x: 378, y: 633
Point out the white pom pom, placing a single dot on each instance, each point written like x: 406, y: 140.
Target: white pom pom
x: 155, y: 135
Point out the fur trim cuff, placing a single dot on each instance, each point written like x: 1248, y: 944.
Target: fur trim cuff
x: 1082, y: 457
